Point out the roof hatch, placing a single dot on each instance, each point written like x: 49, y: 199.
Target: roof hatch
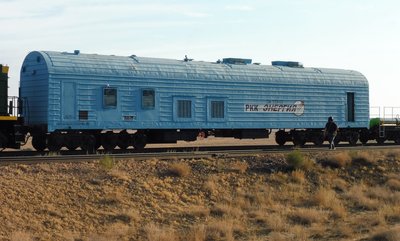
x: 292, y: 64
x: 236, y: 61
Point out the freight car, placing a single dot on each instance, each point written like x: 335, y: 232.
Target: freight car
x: 89, y: 100
x: 11, y: 135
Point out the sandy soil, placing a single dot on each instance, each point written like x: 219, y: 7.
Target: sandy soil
x: 212, y: 199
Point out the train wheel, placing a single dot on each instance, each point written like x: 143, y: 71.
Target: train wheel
x: 140, y: 141
x: 55, y: 142
x: 72, y: 142
x: 97, y: 140
x: 124, y: 140
x: 39, y: 142
x: 299, y: 139
x: 353, y: 138
x: 280, y: 138
x: 109, y: 141
x: 319, y: 139
x: 201, y: 135
x: 3, y: 140
x: 88, y: 143
x: 380, y: 140
x: 364, y: 137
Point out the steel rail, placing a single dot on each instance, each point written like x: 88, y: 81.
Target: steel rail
x: 225, y: 152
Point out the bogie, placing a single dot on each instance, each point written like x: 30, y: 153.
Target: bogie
x: 39, y: 141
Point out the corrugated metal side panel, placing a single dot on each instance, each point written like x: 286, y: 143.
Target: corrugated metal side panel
x: 89, y: 97
x: 320, y: 102
x: 34, y: 88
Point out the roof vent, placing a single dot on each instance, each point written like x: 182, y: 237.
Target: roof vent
x: 76, y: 52
x: 236, y: 61
x: 291, y: 64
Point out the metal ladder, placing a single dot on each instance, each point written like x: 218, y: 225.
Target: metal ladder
x: 392, y: 115
x: 387, y: 116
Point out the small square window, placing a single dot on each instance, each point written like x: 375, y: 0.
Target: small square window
x: 148, y: 99
x: 109, y: 97
x: 83, y: 115
x: 184, y: 109
x: 217, y: 109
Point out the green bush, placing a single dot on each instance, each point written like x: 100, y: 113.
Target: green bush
x: 297, y: 160
x: 106, y: 162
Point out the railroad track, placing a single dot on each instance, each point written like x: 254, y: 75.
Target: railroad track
x: 32, y: 157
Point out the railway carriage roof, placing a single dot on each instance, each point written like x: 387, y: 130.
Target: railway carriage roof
x: 144, y: 67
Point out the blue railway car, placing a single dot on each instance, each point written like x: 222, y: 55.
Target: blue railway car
x: 89, y: 100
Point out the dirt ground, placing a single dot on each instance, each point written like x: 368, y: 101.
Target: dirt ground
x: 328, y: 196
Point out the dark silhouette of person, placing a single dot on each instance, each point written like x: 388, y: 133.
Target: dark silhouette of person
x: 330, y: 132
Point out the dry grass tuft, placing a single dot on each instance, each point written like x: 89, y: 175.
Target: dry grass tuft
x: 394, y: 176
x: 323, y: 197
x: 197, y: 211
x: 275, y: 223
x: 299, y: 233
x: 254, y: 198
x: 116, y: 231
x: 210, y: 186
x: 120, y: 175
x: 327, y: 198
x: 338, y: 160
x: 277, y: 236
x: 305, y: 216
x: 339, y: 184
x: 197, y: 233
x: 344, y: 231
x: 239, y: 167
x: 379, y: 192
x: 393, y: 155
x: 223, y: 210
x: 179, y: 169
x: 357, y: 196
x: 21, y: 236
x: 298, y: 176
x: 339, y: 210
x: 363, y: 158
x: 129, y: 216
x: 391, y: 213
x: 220, y: 230
x: 156, y: 233
x: 393, y: 184
x: 114, y: 197
x: 387, y: 235
x: 278, y: 178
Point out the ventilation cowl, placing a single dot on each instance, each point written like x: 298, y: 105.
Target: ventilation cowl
x: 292, y: 64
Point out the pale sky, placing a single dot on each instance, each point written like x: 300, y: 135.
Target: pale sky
x: 362, y: 35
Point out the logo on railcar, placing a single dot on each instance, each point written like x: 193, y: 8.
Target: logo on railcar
x: 296, y: 108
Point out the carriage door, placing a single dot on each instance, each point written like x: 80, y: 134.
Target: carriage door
x: 68, y: 101
x: 350, y: 107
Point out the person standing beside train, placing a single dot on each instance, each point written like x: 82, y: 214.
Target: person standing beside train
x: 330, y: 132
